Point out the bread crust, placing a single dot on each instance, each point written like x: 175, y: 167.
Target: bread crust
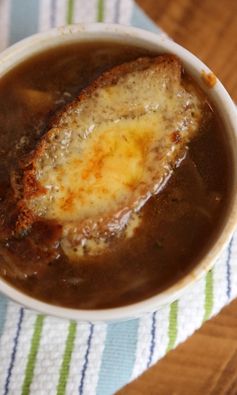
x: 28, y: 186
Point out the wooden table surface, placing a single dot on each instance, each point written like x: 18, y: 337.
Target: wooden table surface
x: 206, y: 364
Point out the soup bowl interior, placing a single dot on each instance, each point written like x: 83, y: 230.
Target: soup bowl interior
x: 19, y: 52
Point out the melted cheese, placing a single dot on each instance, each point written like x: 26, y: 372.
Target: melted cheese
x: 113, y: 163
x: 110, y: 153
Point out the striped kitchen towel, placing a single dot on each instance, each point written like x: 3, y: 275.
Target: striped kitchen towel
x: 43, y: 355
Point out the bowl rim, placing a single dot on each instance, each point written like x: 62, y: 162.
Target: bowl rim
x: 81, y: 32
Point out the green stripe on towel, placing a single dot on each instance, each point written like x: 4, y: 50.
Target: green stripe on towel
x: 208, y: 305
x: 70, y: 11
x: 173, y: 321
x: 64, y: 371
x: 100, y: 11
x: 35, y: 342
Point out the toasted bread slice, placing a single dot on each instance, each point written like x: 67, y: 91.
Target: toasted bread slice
x: 109, y: 151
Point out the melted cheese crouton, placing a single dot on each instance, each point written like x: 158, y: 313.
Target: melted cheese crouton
x: 109, y: 151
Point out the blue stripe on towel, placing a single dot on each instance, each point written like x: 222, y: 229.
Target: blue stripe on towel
x: 139, y: 19
x: 153, y: 335
x: 117, y: 11
x: 228, y: 269
x: 86, y: 360
x: 14, y: 351
x: 24, y: 17
x: 53, y: 13
x: 3, y: 312
x: 118, y: 357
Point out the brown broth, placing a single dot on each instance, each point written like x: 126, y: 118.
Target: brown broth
x: 179, y: 224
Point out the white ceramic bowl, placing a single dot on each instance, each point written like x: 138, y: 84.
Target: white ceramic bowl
x: 225, y: 107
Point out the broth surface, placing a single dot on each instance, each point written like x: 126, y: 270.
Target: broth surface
x: 178, y: 225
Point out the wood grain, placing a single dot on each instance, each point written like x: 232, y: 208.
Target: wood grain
x: 208, y: 28
x: 206, y: 364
